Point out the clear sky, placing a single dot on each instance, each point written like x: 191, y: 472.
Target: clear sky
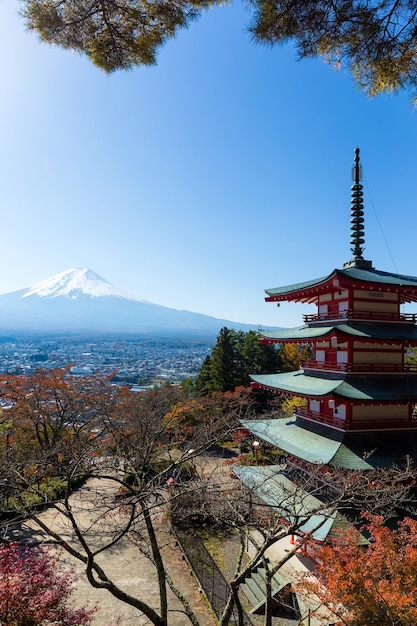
x: 197, y: 183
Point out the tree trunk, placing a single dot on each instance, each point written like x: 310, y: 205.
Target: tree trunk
x: 268, y: 594
x: 160, y: 568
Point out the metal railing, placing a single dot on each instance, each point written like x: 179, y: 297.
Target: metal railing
x: 211, y: 579
x: 361, y: 315
x: 357, y: 367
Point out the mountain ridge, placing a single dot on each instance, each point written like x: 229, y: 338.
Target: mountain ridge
x: 79, y: 300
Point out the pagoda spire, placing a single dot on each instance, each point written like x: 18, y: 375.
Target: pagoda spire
x: 357, y: 220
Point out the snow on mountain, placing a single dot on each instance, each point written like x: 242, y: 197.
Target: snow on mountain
x: 79, y: 300
x: 74, y: 283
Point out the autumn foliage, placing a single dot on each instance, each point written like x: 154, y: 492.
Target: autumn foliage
x: 34, y: 591
x: 372, y: 585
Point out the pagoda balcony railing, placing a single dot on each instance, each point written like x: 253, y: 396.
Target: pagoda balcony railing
x: 361, y: 315
x: 357, y: 367
x: 312, y: 364
x: 320, y: 418
x: 341, y: 424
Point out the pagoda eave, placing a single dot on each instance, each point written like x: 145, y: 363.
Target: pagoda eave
x: 319, y: 445
x: 381, y: 332
x: 350, y: 278
x: 307, y: 292
x: 355, y: 388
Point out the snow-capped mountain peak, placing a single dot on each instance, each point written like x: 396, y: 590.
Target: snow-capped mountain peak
x: 73, y: 283
x: 78, y: 300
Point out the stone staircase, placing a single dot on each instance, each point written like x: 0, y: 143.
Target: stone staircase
x: 255, y: 591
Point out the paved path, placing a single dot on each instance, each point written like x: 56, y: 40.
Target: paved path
x: 124, y: 563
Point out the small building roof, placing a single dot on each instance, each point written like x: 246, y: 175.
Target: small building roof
x: 367, y: 388
x: 317, y: 444
x: 291, y: 501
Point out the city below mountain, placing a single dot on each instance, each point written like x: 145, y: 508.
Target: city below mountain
x: 78, y: 300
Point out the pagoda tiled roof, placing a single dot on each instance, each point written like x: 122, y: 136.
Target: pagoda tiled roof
x: 284, y: 433
x: 362, y: 275
x: 378, y: 276
x: 361, y: 330
x: 360, y: 387
x: 317, y: 444
x: 288, y: 289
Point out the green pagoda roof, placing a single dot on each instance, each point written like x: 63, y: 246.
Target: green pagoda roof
x: 361, y: 330
x: 277, y: 291
x: 291, y: 501
x: 374, y: 387
x: 284, y: 433
x: 317, y: 444
x: 352, y: 274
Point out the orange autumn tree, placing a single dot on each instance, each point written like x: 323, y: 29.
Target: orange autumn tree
x: 210, y: 417
x: 374, y: 585
x: 45, y: 433
x: 292, y: 355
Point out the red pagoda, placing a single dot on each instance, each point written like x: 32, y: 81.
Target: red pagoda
x: 359, y: 392
x: 359, y: 398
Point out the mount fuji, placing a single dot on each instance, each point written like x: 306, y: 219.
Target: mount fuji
x: 79, y: 300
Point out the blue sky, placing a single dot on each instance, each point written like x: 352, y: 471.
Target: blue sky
x: 197, y: 183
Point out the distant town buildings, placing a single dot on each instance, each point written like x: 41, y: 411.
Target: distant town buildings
x: 134, y: 361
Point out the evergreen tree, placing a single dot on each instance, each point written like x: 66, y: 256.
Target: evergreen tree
x: 202, y: 384
x: 235, y: 356
x: 258, y: 358
x: 225, y: 361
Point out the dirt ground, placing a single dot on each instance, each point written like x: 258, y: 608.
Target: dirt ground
x: 137, y: 576
x: 124, y: 564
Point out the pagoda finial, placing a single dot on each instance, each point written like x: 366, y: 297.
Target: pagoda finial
x: 357, y: 221
x: 357, y: 168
